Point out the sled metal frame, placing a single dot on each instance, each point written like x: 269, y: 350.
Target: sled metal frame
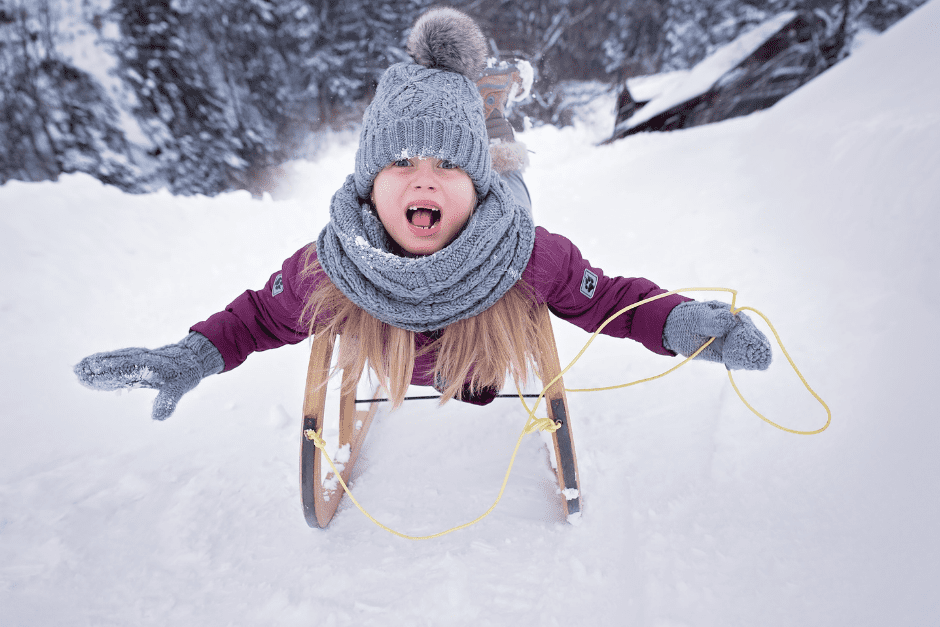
x: 320, y: 502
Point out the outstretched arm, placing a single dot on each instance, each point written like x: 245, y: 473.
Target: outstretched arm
x: 585, y: 296
x: 582, y: 294
x: 173, y: 370
x: 255, y: 321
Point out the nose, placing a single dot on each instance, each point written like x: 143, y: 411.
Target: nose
x: 425, y: 177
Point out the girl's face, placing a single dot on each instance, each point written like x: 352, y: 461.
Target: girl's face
x: 423, y: 203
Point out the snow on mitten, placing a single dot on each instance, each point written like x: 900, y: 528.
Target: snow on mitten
x: 173, y: 370
x: 738, y: 343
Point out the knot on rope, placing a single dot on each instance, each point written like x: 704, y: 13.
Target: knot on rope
x: 541, y: 424
x: 314, y: 437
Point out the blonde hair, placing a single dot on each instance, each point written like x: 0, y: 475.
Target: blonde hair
x: 481, y: 350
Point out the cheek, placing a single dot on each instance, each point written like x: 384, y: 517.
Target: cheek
x: 466, y: 193
x: 381, y: 190
x: 379, y: 187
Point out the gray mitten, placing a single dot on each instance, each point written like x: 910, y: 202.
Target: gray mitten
x: 738, y: 343
x: 173, y: 370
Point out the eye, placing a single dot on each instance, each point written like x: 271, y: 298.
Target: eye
x: 447, y: 165
x: 402, y: 163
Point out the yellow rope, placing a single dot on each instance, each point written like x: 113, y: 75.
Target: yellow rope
x: 533, y: 423
x: 734, y: 310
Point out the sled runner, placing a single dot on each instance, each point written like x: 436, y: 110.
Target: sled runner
x: 320, y: 498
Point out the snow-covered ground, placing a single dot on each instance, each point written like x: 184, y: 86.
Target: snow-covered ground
x: 822, y: 211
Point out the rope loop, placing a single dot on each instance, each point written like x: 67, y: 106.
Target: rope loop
x: 734, y: 310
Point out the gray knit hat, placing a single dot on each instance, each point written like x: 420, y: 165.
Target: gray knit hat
x: 430, y: 108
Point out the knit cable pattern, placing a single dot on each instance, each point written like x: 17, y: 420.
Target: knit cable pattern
x: 422, y: 112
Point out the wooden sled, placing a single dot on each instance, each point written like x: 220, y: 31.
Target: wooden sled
x: 320, y: 501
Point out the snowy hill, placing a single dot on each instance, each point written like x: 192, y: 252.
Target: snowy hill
x: 821, y: 211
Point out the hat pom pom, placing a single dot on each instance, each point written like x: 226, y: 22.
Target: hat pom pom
x: 447, y: 39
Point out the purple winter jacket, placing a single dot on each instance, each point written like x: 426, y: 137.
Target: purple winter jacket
x: 574, y: 290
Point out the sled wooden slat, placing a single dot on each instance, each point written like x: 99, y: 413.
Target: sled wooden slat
x: 319, y: 502
x: 566, y: 466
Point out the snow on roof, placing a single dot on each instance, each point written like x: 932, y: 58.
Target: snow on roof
x: 645, y: 88
x: 709, y: 70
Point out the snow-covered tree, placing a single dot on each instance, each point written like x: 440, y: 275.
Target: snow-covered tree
x: 54, y: 118
x: 226, y: 90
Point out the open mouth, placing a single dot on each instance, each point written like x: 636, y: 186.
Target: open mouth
x: 423, y: 217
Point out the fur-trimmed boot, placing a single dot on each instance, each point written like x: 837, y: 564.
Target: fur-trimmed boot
x: 496, y: 84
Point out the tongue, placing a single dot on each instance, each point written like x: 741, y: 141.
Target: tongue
x: 422, y: 217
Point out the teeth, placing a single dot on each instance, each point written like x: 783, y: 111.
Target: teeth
x: 435, y: 215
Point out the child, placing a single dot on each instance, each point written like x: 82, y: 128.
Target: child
x: 430, y: 265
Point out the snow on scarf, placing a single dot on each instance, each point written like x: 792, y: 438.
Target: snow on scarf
x: 426, y: 293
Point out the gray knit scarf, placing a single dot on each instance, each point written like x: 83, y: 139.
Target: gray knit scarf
x: 426, y: 293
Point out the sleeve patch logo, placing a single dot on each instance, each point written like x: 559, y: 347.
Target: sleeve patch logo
x: 279, y: 286
x: 588, y: 283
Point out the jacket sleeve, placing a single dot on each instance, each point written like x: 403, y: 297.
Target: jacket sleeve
x: 260, y: 320
x: 583, y: 295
